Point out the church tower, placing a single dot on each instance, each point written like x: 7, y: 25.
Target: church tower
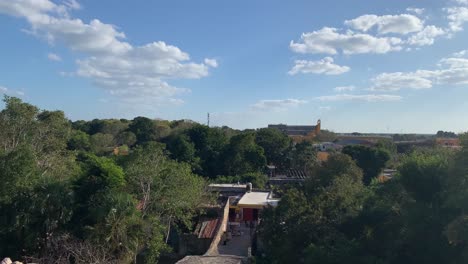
x: 317, y: 127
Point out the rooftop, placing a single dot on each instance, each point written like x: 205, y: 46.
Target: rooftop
x: 257, y: 199
x: 227, y: 185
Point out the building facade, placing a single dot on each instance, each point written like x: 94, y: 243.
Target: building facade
x: 299, y: 133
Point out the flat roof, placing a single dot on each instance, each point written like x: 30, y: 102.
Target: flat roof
x: 228, y: 185
x: 257, y: 199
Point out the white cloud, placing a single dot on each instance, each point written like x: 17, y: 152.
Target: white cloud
x: 344, y: 88
x: 122, y: 69
x: 455, y: 62
x: 211, y: 62
x: 277, y: 105
x: 457, y: 16
x: 325, y: 108
x: 11, y: 92
x: 323, y: 66
x: 54, y: 57
x: 400, y: 80
x: 72, y: 4
x: 417, y: 11
x: 453, y: 71
x: 460, y: 54
x: 400, y: 24
x: 426, y: 36
x: 379, y: 34
x: 330, y: 41
x: 360, y: 97
x: 463, y: 2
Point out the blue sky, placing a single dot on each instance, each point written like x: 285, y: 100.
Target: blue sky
x: 369, y: 66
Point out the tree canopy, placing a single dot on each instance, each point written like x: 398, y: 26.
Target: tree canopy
x: 370, y: 160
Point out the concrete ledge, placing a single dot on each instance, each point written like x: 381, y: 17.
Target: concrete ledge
x: 213, y: 249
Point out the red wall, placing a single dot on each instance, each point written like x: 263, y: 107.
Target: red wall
x: 247, y: 214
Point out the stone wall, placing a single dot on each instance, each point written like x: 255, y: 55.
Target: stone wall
x: 222, y: 226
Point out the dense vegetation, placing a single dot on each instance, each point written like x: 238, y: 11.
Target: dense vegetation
x: 105, y: 191
x: 64, y: 196
x: 109, y: 191
x: 417, y: 217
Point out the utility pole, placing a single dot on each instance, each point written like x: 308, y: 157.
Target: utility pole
x: 208, y: 120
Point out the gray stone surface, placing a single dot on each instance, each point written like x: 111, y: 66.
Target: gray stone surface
x: 238, y: 245
x: 213, y: 260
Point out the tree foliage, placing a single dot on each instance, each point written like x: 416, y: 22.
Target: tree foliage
x: 64, y: 197
x: 274, y: 143
x: 243, y: 155
x: 417, y: 217
x: 370, y: 160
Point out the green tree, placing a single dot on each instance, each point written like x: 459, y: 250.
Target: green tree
x: 370, y: 160
x: 113, y: 127
x: 32, y: 206
x: 304, y: 157
x: 17, y: 122
x: 165, y: 188
x: 209, y: 144
x: 445, y: 134
x: 307, y: 224
x: 124, y: 232
x: 258, y: 180
x: 337, y: 164
x: 18, y: 172
x: 102, y: 143
x: 99, y: 177
x: 274, y: 143
x: 126, y: 138
x: 79, y: 140
x: 143, y: 128
x: 423, y: 176
x: 243, y: 155
x: 182, y: 149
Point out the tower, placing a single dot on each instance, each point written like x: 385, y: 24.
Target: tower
x: 318, y: 127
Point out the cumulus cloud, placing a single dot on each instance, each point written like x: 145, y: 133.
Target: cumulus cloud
x: 399, y: 24
x: 360, y: 97
x: 461, y: 53
x: 138, y: 73
x: 457, y: 16
x: 417, y: 11
x: 211, y: 62
x: 453, y: 71
x: 462, y: 2
x: 324, y: 66
x: 400, y: 80
x: 277, y: 105
x: 455, y: 62
x: 379, y: 34
x: 54, y: 57
x: 426, y: 36
x: 344, y: 88
x: 329, y: 41
x: 72, y: 4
